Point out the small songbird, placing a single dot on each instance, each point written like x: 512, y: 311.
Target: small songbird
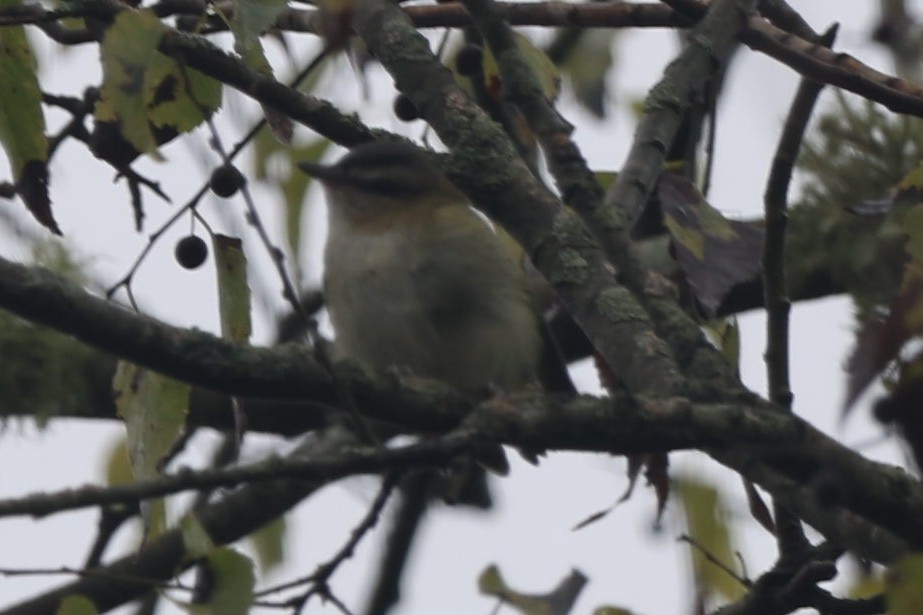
x: 415, y: 278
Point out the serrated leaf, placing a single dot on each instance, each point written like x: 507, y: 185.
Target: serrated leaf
x: 76, y: 605
x: 269, y: 543
x: 904, y: 586
x: 715, y: 254
x: 128, y: 49
x: 154, y: 409
x: 233, y: 289
x: 22, y: 123
x: 708, y: 525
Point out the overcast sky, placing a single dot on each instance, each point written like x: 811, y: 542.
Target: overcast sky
x: 529, y: 534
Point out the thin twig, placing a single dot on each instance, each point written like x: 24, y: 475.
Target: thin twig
x: 431, y: 452
x: 789, y: 533
x: 319, y: 580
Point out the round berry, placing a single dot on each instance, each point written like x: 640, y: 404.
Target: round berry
x: 885, y: 410
x: 469, y: 61
x: 191, y: 251
x: 226, y: 180
x: 404, y: 109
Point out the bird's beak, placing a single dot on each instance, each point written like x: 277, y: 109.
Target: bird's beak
x: 323, y: 172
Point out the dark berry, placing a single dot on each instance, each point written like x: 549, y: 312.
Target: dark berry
x: 191, y: 252
x: 885, y: 410
x: 404, y: 109
x: 226, y: 180
x: 469, y: 60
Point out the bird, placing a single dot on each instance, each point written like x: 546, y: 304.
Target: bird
x: 416, y: 279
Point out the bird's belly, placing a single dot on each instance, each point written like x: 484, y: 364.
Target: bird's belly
x: 389, y: 324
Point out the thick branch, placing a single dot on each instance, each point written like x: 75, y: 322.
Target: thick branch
x: 499, y: 181
x: 745, y: 435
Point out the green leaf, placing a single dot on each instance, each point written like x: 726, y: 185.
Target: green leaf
x: 269, y: 543
x: 196, y: 540
x: 118, y: 465
x: 707, y: 524
x: 725, y: 334
x: 291, y: 181
x: 76, y: 605
x: 558, y: 601
x: 233, y: 290
x: 252, y: 18
x: 179, y: 97
x: 588, y: 65
x: 128, y: 50
x: 294, y: 187
x: 904, y: 586
x: 22, y: 123
x: 154, y: 409
x: 230, y: 591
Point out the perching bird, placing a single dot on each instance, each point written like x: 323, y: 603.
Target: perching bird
x: 414, y: 278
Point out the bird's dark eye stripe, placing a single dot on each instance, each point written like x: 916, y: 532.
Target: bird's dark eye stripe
x: 387, y: 187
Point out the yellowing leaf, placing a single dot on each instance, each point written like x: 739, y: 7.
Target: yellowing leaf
x: 22, y: 123
x: 252, y: 18
x: 118, y: 466
x: 556, y: 602
x: 866, y: 585
x: 233, y: 290
x: 269, y: 543
x: 725, y: 334
x: 587, y: 65
x: 708, y: 526
x: 546, y: 71
x: 230, y: 591
x: 904, y: 586
x: 178, y: 97
x: 154, y: 409
x: 195, y: 539
x: 690, y: 238
x: 76, y: 605
x: 913, y: 180
x: 128, y: 50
